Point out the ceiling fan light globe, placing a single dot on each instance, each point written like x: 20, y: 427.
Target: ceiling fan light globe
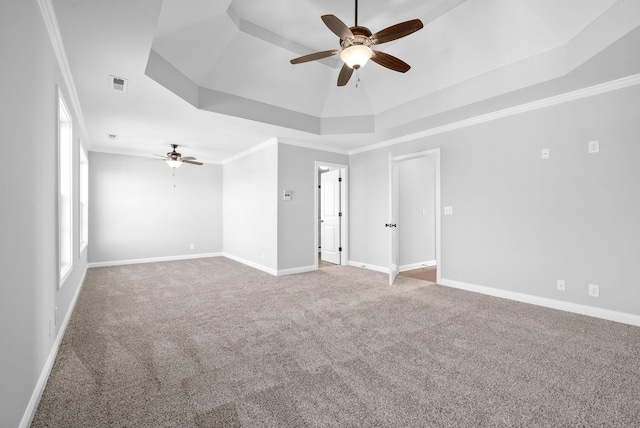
x: 356, y: 56
x: 174, y: 163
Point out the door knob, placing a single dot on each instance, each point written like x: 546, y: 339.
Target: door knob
x: 390, y: 225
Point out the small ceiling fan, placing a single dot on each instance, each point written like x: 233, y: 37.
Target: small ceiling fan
x: 175, y: 159
x: 356, y: 42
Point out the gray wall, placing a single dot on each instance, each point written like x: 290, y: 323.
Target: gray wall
x: 296, y: 218
x: 417, y: 222
x: 137, y: 213
x: 28, y: 237
x: 520, y: 223
x: 251, y: 208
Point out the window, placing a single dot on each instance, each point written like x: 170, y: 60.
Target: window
x: 65, y: 192
x: 84, y: 199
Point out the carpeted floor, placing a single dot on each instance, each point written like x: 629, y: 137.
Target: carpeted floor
x: 213, y: 343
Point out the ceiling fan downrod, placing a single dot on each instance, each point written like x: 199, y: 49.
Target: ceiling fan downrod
x: 356, y: 13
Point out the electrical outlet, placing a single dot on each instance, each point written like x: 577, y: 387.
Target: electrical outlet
x: 544, y: 154
x: 448, y: 210
x: 560, y: 285
x: 594, y: 290
x: 50, y: 328
x: 56, y: 315
x: 594, y: 146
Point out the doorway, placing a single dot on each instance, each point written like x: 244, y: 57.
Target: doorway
x: 331, y: 214
x: 408, y: 220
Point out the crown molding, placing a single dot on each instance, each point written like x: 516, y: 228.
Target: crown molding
x: 313, y: 146
x: 264, y: 145
x: 51, y: 22
x: 590, y: 91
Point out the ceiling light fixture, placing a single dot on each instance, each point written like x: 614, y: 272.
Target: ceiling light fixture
x: 174, y: 163
x: 356, y: 56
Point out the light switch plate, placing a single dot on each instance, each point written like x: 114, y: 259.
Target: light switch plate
x: 560, y: 285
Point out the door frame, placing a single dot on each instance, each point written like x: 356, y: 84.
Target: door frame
x: 344, y: 234
x: 425, y: 153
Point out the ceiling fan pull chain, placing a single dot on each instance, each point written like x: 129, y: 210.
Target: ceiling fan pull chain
x: 174, y: 177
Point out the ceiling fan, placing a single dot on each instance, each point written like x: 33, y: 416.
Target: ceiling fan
x: 356, y: 42
x: 175, y: 159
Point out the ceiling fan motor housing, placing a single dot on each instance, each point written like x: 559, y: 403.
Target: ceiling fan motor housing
x: 361, y: 36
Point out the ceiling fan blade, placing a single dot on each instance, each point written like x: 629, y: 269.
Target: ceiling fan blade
x: 188, y: 158
x: 338, y: 27
x: 162, y: 156
x: 191, y: 162
x: 313, y: 56
x: 396, y: 31
x: 345, y: 75
x: 390, y: 62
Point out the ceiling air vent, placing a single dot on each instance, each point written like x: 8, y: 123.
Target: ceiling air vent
x: 119, y: 84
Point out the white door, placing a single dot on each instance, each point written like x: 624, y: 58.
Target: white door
x: 394, y: 242
x: 330, y: 216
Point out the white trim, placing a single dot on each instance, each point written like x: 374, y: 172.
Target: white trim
x: 293, y: 271
x: 602, y: 88
x: 268, y: 143
x: 30, y: 411
x: 418, y: 265
x: 154, y: 260
x: 83, y: 185
x: 576, y: 308
x: 110, y: 151
x: 51, y: 22
x: 63, y: 111
x: 380, y: 269
x: 313, y: 146
x: 249, y: 263
x: 426, y: 153
x: 344, y: 199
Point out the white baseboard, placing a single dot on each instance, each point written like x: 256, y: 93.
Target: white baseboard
x: 293, y: 271
x: 30, y: 411
x: 417, y: 265
x: 369, y: 266
x: 153, y: 260
x: 621, y: 317
x: 249, y: 263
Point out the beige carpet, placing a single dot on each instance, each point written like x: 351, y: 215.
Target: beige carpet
x: 212, y: 343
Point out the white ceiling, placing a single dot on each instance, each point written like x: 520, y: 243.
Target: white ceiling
x: 214, y: 75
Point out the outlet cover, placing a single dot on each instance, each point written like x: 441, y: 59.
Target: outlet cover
x: 560, y: 285
x: 594, y: 290
x: 192, y: 246
x: 448, y: 210
x: 594, y: 146
x: 544, y: 154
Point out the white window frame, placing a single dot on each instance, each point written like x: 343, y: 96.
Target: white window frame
x: 65, y: 191
x: 84, y: 199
